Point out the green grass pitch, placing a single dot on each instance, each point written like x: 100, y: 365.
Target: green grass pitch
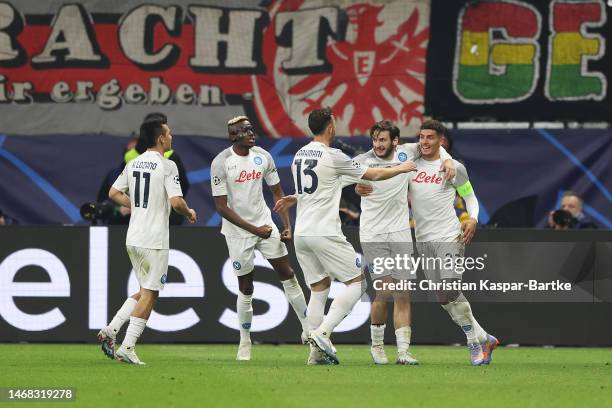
x: 208, y: 376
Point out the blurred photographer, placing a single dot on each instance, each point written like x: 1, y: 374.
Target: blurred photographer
x: 570, y: 215
x: 6, y: 220
x: 104, y: 211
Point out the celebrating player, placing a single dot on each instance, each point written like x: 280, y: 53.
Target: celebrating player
x: 322, y: 250
x: 384, y: 232
x: 153, y: 185
x: 236, y: 178
x: 439, y: 233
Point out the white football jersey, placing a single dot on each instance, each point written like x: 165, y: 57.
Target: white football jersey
x: 150, y: 180
x: 317, y: 175
x: 240, y: 179
x: 433, y: 201
x: 386, y: 208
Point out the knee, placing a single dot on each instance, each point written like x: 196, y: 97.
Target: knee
x: 285, y: 272
x: 383, y: 296
x: 322, y: 285
x: 401, y: 297
x: 149, y: 295
x: 448, y: 296
x: 245, y: 284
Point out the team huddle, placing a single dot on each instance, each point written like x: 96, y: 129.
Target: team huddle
x: 386, y: 177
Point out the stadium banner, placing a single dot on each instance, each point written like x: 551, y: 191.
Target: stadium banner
x: 99, y: 67
x: 65, y: 283
x: 514, y: 60
x: 519, y: 176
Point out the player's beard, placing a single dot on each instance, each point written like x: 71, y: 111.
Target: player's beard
x: 386, y: 154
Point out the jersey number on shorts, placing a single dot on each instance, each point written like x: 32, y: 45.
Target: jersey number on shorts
x: 147, y: 178
x: 310, y: 164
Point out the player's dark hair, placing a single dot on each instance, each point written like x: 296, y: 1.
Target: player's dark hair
x: 385, y: 126
x: 156, y: 115
x: 150, y: 131
x: 435, y: 125
x: 142, y: 143
x: 319, y: 119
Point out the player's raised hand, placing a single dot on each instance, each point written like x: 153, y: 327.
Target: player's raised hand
x: 364, y: 190
x: 468, y: 229
x: 448, y: 167
x: 286, y: 235
x: 263, y: 231
x: 285, y: 203
x: 193, y: 217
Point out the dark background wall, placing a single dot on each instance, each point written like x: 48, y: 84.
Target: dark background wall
x: 97, y: 273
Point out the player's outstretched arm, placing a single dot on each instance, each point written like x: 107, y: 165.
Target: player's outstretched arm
x: 277, y: 194
x: 180, y: 206
x: 232, y: 216
x: 119, y: 197
x: 383, y: 173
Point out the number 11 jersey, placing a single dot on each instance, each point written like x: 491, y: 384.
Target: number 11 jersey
x: 317, y: 171
x: 150, y: 180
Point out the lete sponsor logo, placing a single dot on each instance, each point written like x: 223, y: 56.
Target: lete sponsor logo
x: 423, y: 177
x: 248, y: 176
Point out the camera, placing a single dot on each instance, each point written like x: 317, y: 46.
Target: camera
x: 98, y: 213
x: 563, y: 219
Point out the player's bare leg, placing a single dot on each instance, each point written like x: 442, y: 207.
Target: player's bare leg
x: 108, y: 335
x: 244, y: 308
x: 138, y: 321
x: 402, y: 320
x: 293, y: 291
x: 457, y: 306
x: 378, y: 318
x: 339, y: 309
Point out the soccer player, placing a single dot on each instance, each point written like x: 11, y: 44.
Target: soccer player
x: 439, y: 233
x: 384, y: 232
x: 322, y: 250
x: 152, y: 185
x: 236, y: 178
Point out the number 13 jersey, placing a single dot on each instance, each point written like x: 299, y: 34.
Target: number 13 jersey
x: 317, y: 171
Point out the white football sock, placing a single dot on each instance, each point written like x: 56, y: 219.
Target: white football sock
x: 341, y: 307
x: 123, y: 315
x: 461, y: 313
x: 316, y: 308
x: 481, y: 334
x: 133, y: 331
x: 244, y: 307
x: 402, y: 336
x: 296, y: 299
x: 377, y: 333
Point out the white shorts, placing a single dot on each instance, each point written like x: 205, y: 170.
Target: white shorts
x: 242, y: 251
x: 380, y: 247
x: 438, y: 256
x: 322, y: 257
x: 150, y: 265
